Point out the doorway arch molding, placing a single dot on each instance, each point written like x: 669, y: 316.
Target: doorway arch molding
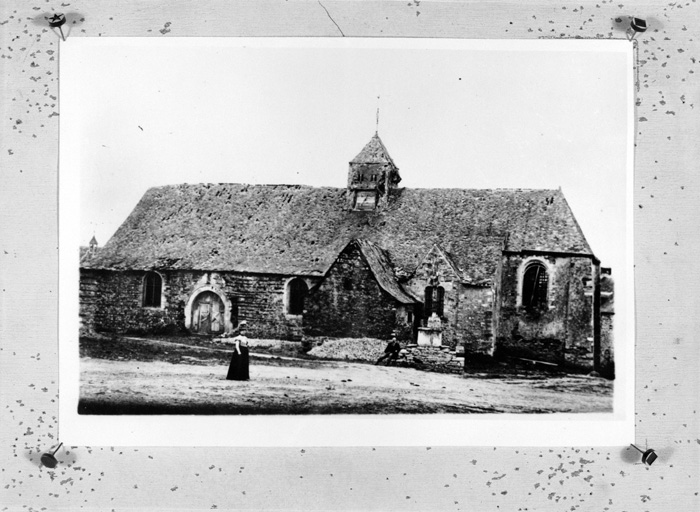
x: 228, y: 326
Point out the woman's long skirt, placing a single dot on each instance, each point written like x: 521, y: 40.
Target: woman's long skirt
x: 238, y: 368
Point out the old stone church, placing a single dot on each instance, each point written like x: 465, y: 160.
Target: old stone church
x: 506, y: 272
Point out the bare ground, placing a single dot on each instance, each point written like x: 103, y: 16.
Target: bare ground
x: 191, y: 381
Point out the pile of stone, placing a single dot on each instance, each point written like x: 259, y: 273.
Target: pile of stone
x: 351, y: 349
x: 432, y: 359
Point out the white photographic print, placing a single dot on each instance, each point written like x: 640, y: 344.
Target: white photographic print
x: 346, y: 242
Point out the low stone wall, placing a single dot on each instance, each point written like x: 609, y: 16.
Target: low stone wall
x: 540, y: 349
x: 434, y: 359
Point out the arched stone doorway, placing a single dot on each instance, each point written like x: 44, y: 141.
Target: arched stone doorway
x: 207, y: 312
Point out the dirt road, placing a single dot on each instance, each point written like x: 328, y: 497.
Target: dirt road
x: 323, y: 387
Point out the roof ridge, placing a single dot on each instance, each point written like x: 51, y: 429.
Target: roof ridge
x: 306, y: 186
x: 235, y: 184
x: 497, y: 189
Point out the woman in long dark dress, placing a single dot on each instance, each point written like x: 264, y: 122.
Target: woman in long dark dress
x: 238, y: 368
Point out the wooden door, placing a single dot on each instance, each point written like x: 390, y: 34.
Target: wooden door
x: 208, y: 314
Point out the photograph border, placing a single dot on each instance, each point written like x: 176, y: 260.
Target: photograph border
x: 443, y: 430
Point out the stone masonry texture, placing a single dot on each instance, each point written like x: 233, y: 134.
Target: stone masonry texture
x: 350, y: 303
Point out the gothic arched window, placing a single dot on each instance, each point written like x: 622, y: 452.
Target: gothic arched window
x: 535, y: 284
x: 434, y: 301
x: 296, y: 292
x: 152, y: 286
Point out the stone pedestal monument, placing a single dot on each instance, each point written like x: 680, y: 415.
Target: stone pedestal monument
x: 431, y: 335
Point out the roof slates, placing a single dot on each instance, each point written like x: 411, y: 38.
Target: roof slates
x: 249, y: 224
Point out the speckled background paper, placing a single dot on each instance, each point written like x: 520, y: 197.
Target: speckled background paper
x: 418, y: 478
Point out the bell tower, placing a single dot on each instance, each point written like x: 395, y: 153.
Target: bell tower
x: 371, y: 177
x: 93, y: 245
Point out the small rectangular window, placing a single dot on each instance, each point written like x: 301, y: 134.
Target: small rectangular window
x: 365, y: 200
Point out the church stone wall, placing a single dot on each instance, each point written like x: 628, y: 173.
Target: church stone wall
x: 475, y: 322
x: 88, y: 303
x: 256, y: 298
x: 607, y: 355
x: 562, y: 333
x: 350, y: 303
x: 111, y: 301
x: 467, y: 312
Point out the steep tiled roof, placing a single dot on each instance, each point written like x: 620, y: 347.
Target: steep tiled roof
x: 295, y: 229
x: 373, y: 153
x: 383, y: 270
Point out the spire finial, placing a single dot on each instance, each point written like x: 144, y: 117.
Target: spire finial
x: 376, y: 131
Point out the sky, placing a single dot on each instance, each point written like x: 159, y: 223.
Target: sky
x: 144, y: 112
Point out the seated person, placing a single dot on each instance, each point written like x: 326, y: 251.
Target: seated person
x: 391, y: 352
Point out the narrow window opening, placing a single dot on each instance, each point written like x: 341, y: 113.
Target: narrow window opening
x: 297, y: 291
x: 440, y: 301
x: 428, y: 308
x: 434, y: 301
x: 152, y: 285
x: 234, y: 311
x: 488, y: 324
